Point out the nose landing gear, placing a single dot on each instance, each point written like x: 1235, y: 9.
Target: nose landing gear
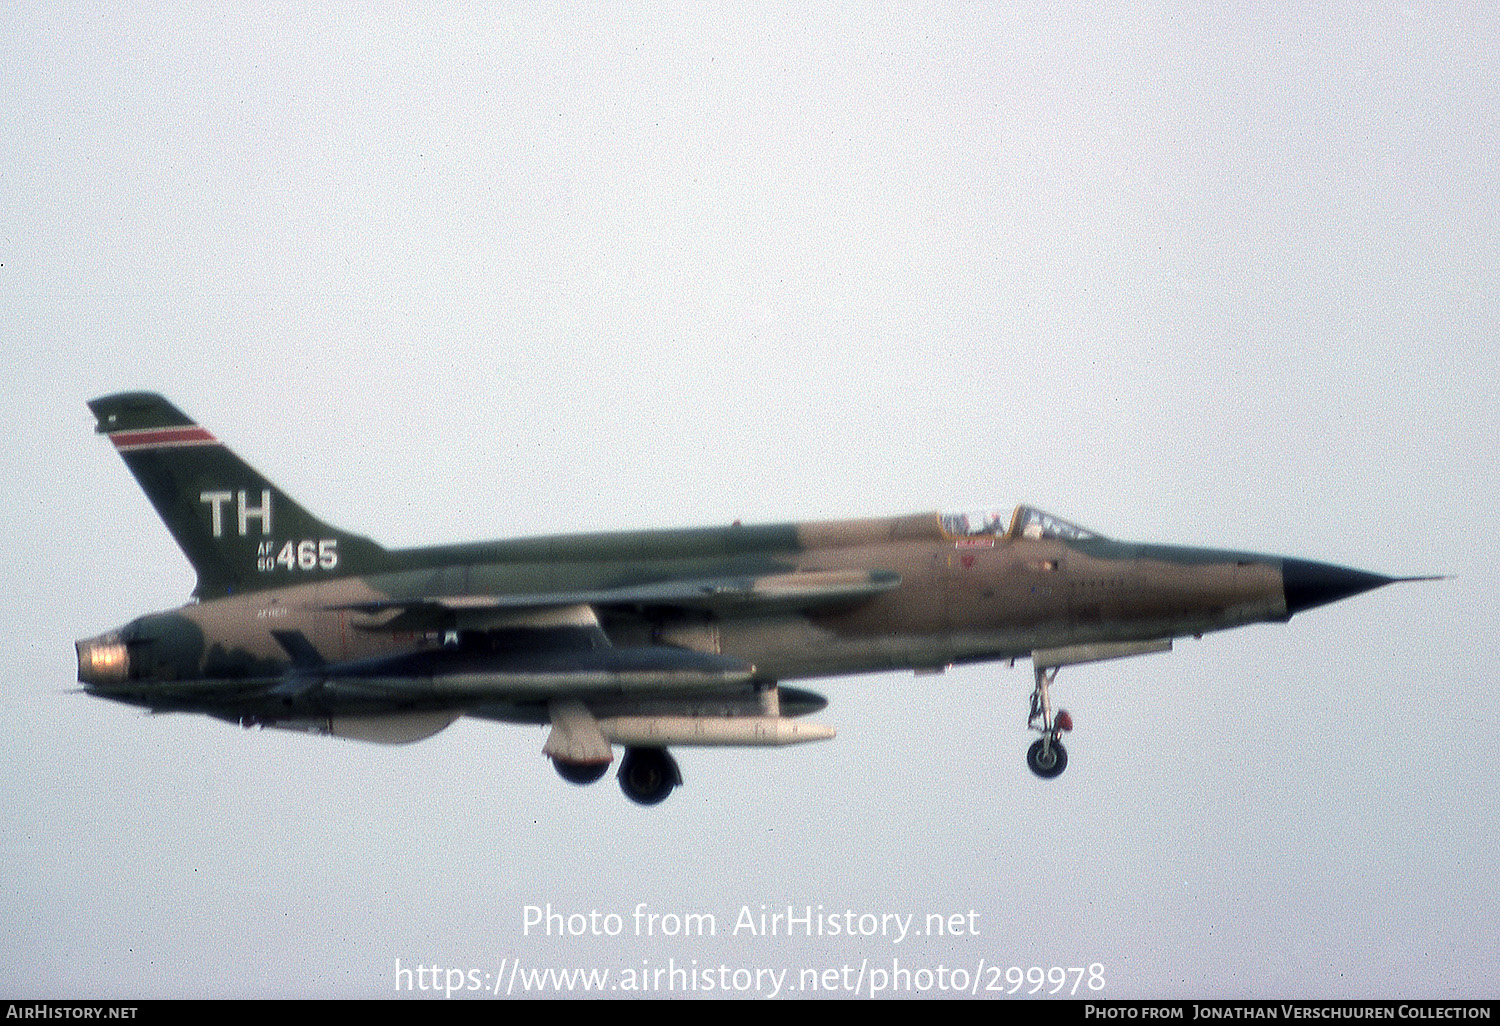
x: 1046, y: 757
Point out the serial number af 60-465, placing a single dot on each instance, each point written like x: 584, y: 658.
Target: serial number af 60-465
x: 322, y: 554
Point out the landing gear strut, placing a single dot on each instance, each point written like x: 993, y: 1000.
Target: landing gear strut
x: 648, y: 775
x: 1047, y: 757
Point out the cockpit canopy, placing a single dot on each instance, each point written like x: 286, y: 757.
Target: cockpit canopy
x: 1024, y: 522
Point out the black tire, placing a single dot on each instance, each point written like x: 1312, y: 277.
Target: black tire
x: 648, y: 775
x: 1046, y: 764
x: 580, y: 772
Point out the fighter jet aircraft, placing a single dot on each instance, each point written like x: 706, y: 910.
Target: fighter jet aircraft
x: 646, y: 640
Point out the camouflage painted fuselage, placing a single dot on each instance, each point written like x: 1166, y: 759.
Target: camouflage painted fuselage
x: 958, y: 600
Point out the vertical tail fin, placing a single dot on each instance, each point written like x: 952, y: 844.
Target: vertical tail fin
x: 240, y: 532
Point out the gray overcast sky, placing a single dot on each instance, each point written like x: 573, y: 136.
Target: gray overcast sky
x: 1193, y: 275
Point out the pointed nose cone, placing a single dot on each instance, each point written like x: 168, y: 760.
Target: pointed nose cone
x: 1309, y: 584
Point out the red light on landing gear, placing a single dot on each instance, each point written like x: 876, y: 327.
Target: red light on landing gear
x: 1064, y: 721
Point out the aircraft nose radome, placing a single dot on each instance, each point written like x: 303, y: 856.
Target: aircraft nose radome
x: 1309, y: 584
